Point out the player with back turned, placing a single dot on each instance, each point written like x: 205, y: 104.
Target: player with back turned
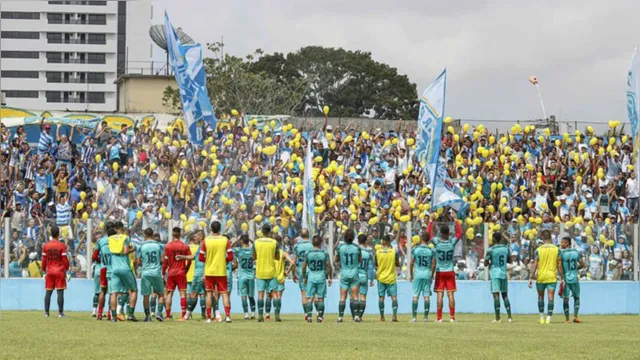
x: 423, y: 266
x: 243, y: 257
x: 571, y: 263
x: 175, y: 269
x: 348, y: 255
x: 316, y: 271
x: 547, y: 265
x: 365, y: 272
x: 150, y: 256
x: 445, y: 277
x: 265, y: 253
x: 496, y: 259
x: 300, y: 250
x: 386, y: 263
x: 54, y: 266
x: 122, y: 279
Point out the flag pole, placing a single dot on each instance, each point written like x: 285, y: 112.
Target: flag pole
x: 544, y: 112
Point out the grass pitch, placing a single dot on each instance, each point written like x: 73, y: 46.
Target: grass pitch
x: 30, y: 335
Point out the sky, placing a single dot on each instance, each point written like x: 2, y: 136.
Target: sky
x: 579, y: 50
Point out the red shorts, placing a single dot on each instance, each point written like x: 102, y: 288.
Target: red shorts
x: 55, y: 281
x: 179, y: 281
x: 103, y: 278
x: 215, y: 283
x: 445, y: 280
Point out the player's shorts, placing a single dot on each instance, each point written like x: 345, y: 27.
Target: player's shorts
x: 317, y: 289
x: 196, y: 286
x: 55, y: 282
x: 573, y: 287
x: 267, y: 285
x: 280, y: 287
x: 445, y: 280
x: 104, y: 281
x: 247, y: 286
x: 499, y: 286
x: 349, y: 282
x: 122, y: 281
x: 546, y: 286
x: 421, y: 286
x: 387, y: 289
x: 364, y: 285
x: 179, y: 281
x: 216, y: 283
x: 229, y: 283
x: 151, y: 284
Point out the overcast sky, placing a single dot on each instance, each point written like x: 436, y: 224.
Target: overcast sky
x: 580, y: 50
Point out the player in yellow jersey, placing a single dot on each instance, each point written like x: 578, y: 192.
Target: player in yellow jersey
x: 265, y: 253
x: 282, y: 275
x: 386, y: 262
x: 216, y: 252
x: 547, y: 265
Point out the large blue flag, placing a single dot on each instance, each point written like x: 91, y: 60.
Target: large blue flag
x: 633, y: 106
x: 186, y: 62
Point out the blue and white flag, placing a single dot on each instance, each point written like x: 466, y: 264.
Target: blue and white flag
x: 633, y: 107
x: 430, y: 121
x: 445, y: 193
x: 186, y: 62
x: 308, y: 211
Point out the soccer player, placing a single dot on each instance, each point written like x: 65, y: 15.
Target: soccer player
x: 54, y: 266
x: 195, y: 277
x: 282, y: 275
x: 348, y: 255
x: 365, y: 273
x: 122, y: 279
x: 547, y: 265
x: 176, y: 268
x: 150, y: 256
x: 445, y: 277
x: 496, y: 260
x: 102, y: 255
x: 299, y: 251
x: 243, y: 258
x: 386, y: 262
x: 423, y: 265
x: 571, y: 263
x: 316, y: 271
x: 265, y: 253
x: 97, y: 289
x: 216, y: 252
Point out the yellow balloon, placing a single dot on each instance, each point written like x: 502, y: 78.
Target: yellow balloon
x: 98, y: 158
x: 325, y: 110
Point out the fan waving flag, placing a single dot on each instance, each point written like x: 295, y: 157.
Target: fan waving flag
x: 308, y: 210
x: 633, y: 106
x: 186, y: 62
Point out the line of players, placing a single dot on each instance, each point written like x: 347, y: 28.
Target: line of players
x: 202, y: 270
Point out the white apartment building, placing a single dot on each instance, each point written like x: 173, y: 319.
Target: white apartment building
x: 66, y: 55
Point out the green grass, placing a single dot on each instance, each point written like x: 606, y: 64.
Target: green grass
x: 30, y: 335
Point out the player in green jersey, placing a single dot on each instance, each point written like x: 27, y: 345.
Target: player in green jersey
x: 365, y: 273
x: 348, y: 256
x: 102, y: 255
x: 97, y: 267
x: 243, y: 259
x: 316, y: 271
x: 150, y: 257
x: 496, y: 260
x: 299, y: 251
x: 122, y: 279
x: 423, y: 265
x: 571, y: 263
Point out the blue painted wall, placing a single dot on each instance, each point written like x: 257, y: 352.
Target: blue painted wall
x: 621, y: 297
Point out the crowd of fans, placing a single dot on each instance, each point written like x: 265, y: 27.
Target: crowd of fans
x: 249, y: 172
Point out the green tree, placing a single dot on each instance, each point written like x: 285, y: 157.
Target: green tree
x: 350, y: 82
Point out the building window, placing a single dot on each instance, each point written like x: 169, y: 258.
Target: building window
x: 53, y: 18
x: 54, y: 57
x: 54, y: 77
x: 19, y: 74
x: 20, y: 54
x: 21, y: 15
x: 96, y: 58
x: 53, y: 96
x: 96, y: 78
x: 97, y: 19
x: 99, y: 39
x: 95, y: 97
x: 98, y: 3
x: 56, y: 2
x: 20, y: 35
x: 33, y: 94
x: 54, y: 38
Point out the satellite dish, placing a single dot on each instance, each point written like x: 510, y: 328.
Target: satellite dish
x: 156, y: 32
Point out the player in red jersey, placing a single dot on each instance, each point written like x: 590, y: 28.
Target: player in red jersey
x: 54, y: 265
x: 177, y: 271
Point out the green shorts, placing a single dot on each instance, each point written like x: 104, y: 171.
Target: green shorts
x: 317, y: 289
x: 387, y: 289
x: 364, y: 285
x: 546, y: 286
x: 122, y: 281
x: 267, y: 285
x: 421, y: 286
x: 573, y: 287
x: 247, y: 286
x: 96, y: 284
x: 196, y: 286
x: 349, y: 282
x: 499, y: 286
x: 151, y: 284
x: 280, y: 287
